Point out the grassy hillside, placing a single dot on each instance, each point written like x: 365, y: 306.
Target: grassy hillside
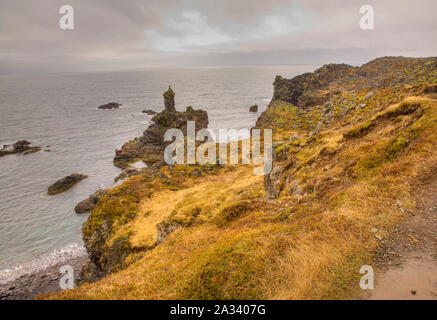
x: 342, y: 166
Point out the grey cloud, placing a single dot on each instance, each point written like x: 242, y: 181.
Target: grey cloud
x: 112, y: 34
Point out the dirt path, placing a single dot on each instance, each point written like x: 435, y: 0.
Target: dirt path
x: 407, y: 261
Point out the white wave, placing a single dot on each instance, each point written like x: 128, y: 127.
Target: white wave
x: 43, y: 262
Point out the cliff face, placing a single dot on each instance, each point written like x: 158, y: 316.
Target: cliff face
x: 351, y: 146
x: 108, y: 248
x: 316, y: 88
x: 334, y: 82
x: 307, y: 89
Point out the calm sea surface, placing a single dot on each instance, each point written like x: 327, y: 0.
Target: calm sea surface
x: 60, y: 111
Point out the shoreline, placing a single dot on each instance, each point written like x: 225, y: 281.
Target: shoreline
x: 32, y: 284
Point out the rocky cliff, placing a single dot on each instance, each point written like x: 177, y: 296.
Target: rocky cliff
x: 334, y: 81
x: 107, y: 248
x: 352, y: 146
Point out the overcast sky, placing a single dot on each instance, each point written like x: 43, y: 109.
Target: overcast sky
x: 117, y: 35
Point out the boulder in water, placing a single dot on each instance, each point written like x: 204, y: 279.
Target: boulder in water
x: 111, y: 105
x: 65, y: 183
x: 90, y: 203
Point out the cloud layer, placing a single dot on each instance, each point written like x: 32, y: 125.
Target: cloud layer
x: 111, y: 34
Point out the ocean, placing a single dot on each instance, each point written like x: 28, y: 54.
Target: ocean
x: 59, y: 112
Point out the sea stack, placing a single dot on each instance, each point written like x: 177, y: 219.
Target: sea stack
x: 169, y: 103
x: 149, y: 148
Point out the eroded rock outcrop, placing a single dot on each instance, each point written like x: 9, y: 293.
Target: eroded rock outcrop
x: 328, y: 83
x: 273, y: 182
x: 150, y: 147
x: 166, y: 227
x: 169, y: 103
x: 305, y: 90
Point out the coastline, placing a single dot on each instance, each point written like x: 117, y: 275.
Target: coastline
x: 206, y: 221
x: 29, y: 284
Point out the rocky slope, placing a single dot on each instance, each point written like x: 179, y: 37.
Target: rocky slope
x: 350, y: 144
x: 107, y: 249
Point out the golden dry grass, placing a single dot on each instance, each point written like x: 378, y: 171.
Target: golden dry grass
x: 209, y: 195
x: 307, y: 247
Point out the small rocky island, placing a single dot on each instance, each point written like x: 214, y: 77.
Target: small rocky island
x: 254, y: 108
x: 65, y: 183
x: 150, y: 146
x: 21, y: 146
x: 109, y: 106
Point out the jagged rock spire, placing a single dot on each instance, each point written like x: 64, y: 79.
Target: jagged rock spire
x: 169, y: 100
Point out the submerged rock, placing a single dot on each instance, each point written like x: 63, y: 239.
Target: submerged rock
x: 149, y: 112
x: 111, y: 105
x: 90, y: 203
x: 65, y: 183
x: 19, y: 147
x: 254, y: 108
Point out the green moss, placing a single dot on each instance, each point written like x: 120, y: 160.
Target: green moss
x: 406, y: 107
x: 346, y: 276
x: 231, y: 212
x: 282, y: 147
x: 359, y: 130
x: 285, y: 214
x: 395, y: 148
x: 169, y: 93
x: 382, y: 153
x: 230, y: 269
x: 120, y: 204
